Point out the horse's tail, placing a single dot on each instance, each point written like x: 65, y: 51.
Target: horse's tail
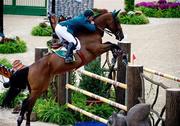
x: 17, y: 82
x: 10, y: 96
x: 6, y: 72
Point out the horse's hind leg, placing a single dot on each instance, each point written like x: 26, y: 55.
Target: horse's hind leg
x: 31, y: 102
x: 27, y: 106
x: 23, y: 110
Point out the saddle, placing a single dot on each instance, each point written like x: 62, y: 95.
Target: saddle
x: 60, y: 48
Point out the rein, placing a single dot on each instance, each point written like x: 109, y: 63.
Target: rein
x: 105, y: 30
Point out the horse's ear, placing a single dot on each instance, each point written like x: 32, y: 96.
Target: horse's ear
x: 115, y: 13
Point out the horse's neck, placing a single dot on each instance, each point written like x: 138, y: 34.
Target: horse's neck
x: 101, y: 23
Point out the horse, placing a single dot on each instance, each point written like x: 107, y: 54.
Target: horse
x: 38, y: 75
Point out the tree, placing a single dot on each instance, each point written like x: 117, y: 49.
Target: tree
x: 129, y: 5
x: 53, y: 6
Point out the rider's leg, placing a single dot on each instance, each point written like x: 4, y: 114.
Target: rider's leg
x: 62, y: 32
x: 69, y: 53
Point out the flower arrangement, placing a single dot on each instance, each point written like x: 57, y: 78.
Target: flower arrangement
x: 161, y: 4
x: 160, y: 9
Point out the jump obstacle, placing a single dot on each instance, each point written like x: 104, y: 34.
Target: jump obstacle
x: 105, y: 100
x: 133, y: 86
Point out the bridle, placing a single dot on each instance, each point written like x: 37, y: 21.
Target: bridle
x: 110, y: 33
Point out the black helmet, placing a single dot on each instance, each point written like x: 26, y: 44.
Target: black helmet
x: 88, y: 13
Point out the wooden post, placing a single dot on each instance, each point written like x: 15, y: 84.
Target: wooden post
x: 172, y: 107
x: 134, y: 84
x: 61, y: 81
x: 40, y: 52
x: 61, y: 90
x: 121, y: 73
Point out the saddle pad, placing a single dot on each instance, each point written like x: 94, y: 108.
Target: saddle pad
x: 61, y: 52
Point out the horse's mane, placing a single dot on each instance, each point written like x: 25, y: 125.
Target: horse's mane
x: 100, y: 11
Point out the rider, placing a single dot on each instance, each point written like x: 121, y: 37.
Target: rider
x: 67, y: 30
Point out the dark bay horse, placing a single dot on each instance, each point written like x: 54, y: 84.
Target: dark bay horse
x: 38, y: 76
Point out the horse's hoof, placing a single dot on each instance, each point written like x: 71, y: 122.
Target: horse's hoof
x: 19, y: 120
x: 27, y: 123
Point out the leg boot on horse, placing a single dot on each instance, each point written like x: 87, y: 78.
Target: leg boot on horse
x: 69, y: 53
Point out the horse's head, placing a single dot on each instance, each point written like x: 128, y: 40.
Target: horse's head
x: 110, y: 21
x: 114, y: 25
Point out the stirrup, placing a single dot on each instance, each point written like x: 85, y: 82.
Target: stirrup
x: 68, y: 60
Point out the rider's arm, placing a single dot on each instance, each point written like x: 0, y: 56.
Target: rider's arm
x: 90, y: 26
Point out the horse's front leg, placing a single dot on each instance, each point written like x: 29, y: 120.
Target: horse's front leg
x: 115, y: 49
x: 117, y: 52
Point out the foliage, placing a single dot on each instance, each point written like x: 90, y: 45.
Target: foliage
x: 160, y: 5
x: 16, y: 101
x: 161, y: 8
x: 103, y: 110
x: 14, y: 46
x: 2, y: 96
x: 129, y: 5
x: 133, y: 18
x: 6, y: 63
x: 41, y: 30
x: 50, y: 111
x: 166, y: 13
x: 90, y: 84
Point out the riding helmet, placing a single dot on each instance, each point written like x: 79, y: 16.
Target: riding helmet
x: 88, y: 13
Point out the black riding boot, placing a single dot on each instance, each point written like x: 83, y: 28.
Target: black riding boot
x: 69, y: 53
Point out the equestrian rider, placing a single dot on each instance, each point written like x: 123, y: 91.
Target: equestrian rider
x: 68, y: 29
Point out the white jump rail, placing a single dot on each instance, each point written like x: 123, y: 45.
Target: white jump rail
x: 117, y: 105
x: 167, y: 76
x: 115, y: 83
x: 87, y: 113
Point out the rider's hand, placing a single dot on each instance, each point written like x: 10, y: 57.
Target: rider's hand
x: 92, y: 22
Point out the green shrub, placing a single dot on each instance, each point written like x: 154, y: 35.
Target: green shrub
x: 133, y: 19
x: 166, y: 13
x: 2, y: 96
x: 41, y: 30
x: 93, y: 85
x: 103, y: 110
x: 16, y: 101
x: 16, y: 46
x: 50, y: 111
x: 6, y: 63
x: 129, y: 5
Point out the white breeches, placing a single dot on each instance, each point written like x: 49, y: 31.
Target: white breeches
x: 62, y: 32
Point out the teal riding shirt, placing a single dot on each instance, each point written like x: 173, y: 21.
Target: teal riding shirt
x: 79, y: 22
